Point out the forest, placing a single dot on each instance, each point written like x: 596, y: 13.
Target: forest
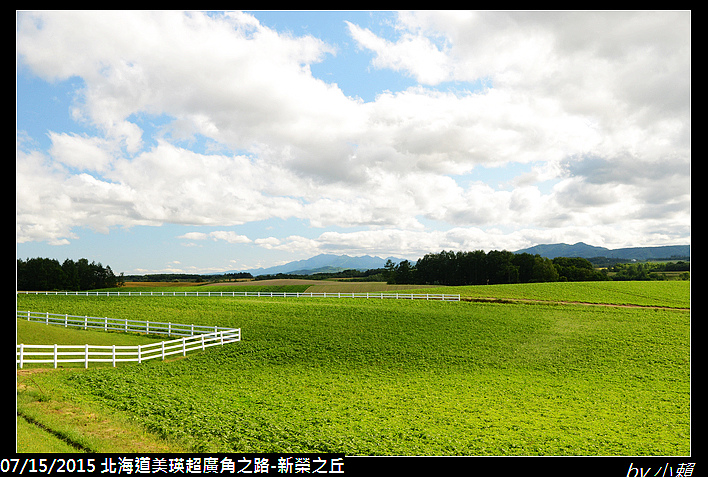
x: 493, y: 267
x: 44, y: 274
x: 499, y: 267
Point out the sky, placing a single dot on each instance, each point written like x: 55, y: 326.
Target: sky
x: 205, y: 142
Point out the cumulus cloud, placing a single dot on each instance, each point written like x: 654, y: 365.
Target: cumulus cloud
x: 225, y: 235
x: 81, y: 152
x: 595, y: 104
x: 415, y: 244
x: 416, y: 55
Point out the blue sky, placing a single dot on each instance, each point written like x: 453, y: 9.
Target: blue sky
x: 202, y: 142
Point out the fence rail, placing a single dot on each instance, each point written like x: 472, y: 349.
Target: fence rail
x: 194, y: 337
x: 399, y: 296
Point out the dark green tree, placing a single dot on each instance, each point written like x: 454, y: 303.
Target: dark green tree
x: 404, y: 273
x: 71, y: 274
x: 576, y: 269
x: 543, y: 270
x: 500, y: 267
x: 44, y: 274
x: 390, y: 271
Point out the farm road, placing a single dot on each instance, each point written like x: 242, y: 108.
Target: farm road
x: 560, y: 302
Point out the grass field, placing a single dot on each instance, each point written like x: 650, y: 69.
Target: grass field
x: 279, y: 285
x: 670, y: 294
x: 390, y: 377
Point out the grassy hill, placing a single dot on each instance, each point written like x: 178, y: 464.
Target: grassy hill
x: 398, y: 377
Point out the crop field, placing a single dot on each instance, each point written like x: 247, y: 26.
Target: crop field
x: 669, y: 294
x: 389, y: 377
x: 280, y: 285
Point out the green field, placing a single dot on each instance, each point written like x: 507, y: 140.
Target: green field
x: 391, y: 377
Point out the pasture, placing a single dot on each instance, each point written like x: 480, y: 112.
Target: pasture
x: 393, y: 377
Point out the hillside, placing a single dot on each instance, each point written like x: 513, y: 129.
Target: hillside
x: 393, y: 377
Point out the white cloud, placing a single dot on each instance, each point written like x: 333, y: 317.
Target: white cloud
x: 596, y: 104
x: 229, y: 236
x: 225, y: 235
x: 81, y: 152
x: 624, y: 73
x: 268, y: 243
x: 413, y: 245
x: 50, y: 202
x: 414, y: 54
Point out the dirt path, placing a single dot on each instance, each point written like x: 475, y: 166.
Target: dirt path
x: 553, y: 302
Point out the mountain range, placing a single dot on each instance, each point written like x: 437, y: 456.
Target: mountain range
x: 330, y: 263
x: 326, y: 263
x: 584, y: 250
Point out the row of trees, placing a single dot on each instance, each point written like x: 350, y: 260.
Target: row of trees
x: 45, y: 274
x: 494, y: 267
x: 650, y: 271
x: 187, y: 277
x: 371, y: 275
x: 444, y: 268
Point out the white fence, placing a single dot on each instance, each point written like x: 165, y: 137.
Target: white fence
x: 398, y: 296
x: 194, y: 337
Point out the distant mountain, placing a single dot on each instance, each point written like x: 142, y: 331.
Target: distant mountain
x: 325, y: 263
x: 329, y: 263
x: 584, y: 250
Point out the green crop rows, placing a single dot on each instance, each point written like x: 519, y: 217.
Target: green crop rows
x: 397, y: 377
x: 672, y: 294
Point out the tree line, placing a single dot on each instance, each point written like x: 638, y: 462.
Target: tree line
x: 187, y: 277
x: 650, y: 271
x: 444, y: 268
x: 47, y: 274
x: 499, y: 267
x: 351, y: 274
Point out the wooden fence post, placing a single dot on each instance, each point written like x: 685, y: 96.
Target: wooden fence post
x: 55, y: 356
